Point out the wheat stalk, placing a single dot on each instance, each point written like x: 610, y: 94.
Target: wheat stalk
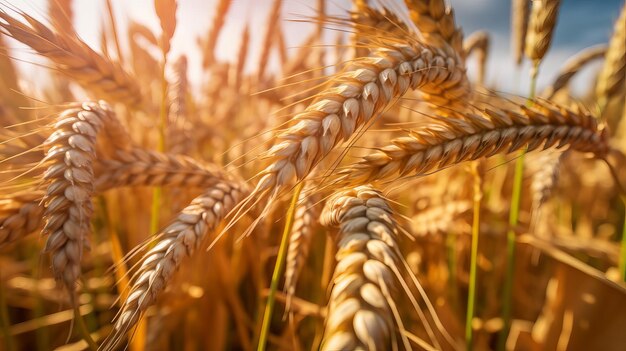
x: 484, y: 134
x: 178, y: 240
x: 76, y: 59
x: 362, y: 313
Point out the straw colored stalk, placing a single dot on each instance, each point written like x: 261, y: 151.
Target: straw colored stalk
x: 362, y: 313
x: 178, y: 240
x: 519, y: 27
x: 543, y: 18
x: 478, y: 42
x: 612, y: 78
x: 436, y: 23
x: 21, y: 214
x: 484, y: 134
x: 71, y: 56
x: 573, y: 66
x: 357, y: 95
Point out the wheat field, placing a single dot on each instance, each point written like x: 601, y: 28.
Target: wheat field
x: 359, y: 192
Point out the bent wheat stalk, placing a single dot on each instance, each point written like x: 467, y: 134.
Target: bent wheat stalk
x: 178, y: 240
x: 485, y: 134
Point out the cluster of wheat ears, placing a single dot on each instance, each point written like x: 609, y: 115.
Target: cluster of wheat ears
x: 398, y: 204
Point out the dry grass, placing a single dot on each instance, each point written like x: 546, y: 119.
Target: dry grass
x: 388, y: 105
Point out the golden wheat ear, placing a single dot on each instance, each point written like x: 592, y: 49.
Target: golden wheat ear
x: 177, y: 241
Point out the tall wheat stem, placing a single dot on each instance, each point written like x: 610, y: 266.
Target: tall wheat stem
x: 516, y: 198
x: 622, y: 257
x: 471, y: 296
x: 278, y: 267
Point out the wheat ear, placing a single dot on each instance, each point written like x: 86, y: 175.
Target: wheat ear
x: 545, y: 176
x: 440, y: 219
x: 361, y: 92
x: 613, y: 75
x: 304, y: 223
x: 70, y: 154
x: 20, y: 215
x: 483, y: 134
x: 436, y: 23
x: 76, y: 59
x: 140, y: 167
x: 573, y: 66
x: 361, y: 310
x: 178, y: 240
x: 519, y: 27
x: 478, y: 42
x: 541, y: 25
x: 221, y: 10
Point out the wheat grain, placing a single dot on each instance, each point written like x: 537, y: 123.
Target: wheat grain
x: 487, y: 133
x: 76, y: 59
x: 178, y: 240
x: 361, y: 309
x: 20, y: 215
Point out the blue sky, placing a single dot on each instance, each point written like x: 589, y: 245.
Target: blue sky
x: 581, y: 23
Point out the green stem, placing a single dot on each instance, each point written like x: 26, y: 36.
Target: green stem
x: 82, y: 329
x: 278, y: 267
x: 507, y: 294
x: 622, y: 257
x: 471, y: 296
